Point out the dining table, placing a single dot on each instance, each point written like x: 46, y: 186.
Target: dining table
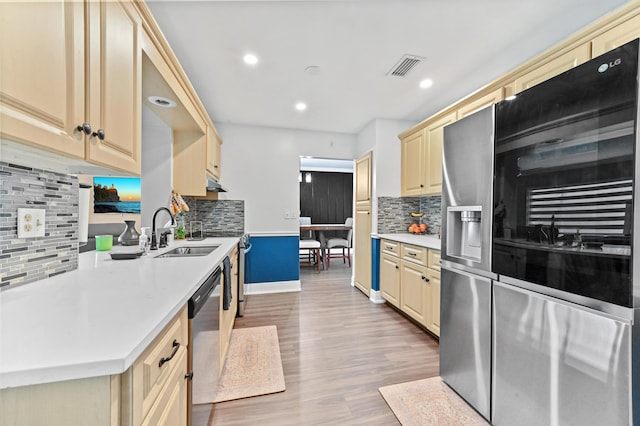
x: 321, y: 228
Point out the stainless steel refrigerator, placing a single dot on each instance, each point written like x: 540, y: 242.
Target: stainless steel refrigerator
x: 467, y: 280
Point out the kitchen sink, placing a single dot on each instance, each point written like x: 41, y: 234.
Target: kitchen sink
x: 188, y: 251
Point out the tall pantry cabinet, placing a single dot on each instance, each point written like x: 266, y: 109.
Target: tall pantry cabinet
x: 363, y: 224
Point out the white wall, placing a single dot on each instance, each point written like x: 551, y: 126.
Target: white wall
x: 387, y: 156
x: 260, y: 165
x: 157, y: 170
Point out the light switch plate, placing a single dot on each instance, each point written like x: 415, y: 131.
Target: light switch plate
x: 31, y: 223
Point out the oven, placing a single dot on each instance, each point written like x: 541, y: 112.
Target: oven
x: 564, y: 177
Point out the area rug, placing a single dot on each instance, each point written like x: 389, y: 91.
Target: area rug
x: 253, y: 368
x: 429, y: 402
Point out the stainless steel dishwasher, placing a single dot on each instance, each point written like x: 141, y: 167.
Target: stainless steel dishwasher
x: 203, y: 362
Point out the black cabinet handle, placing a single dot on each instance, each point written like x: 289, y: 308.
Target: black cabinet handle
x: 397, y: 267
x: 99, y: 134
x: 421, y: 186
x: 176, y: 346
x: 425, y: 278
x: 189, y: 376
x: 85, y: 128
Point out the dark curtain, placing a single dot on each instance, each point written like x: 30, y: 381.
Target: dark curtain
x: 328, y: 198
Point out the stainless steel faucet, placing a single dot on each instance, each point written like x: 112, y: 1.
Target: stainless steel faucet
x: 154, y: 244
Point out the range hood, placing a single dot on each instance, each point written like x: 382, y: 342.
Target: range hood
x: 214, y: 186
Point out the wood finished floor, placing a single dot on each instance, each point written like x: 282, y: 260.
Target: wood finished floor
x: 337, y: 349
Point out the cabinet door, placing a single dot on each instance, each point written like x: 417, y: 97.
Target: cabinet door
x: 413, y: 297
x: 170, y: 409
x: 433, y: 316
x: 482, y: 102
x: 189, y: 162
x: 42, y: 75
x: 363, y: 180
x: 616, y: 36
x: 362, y: 223
x: 390, y: 279
x: 554, y: 67
x: 213, y: 152
x: 114, y: 85
x: 434, y: 137
x: 413, y: 164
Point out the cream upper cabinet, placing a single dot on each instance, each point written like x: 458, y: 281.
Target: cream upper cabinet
x: 434, y: 137
x: 421, y: 158
x: 42, y: 85
x: 482, y: 102
x: 213, y: 152
x: 413, y: 164
x: 616, y: 37
x: 556, y: 66
x: 54, y: 97
x: 363, y: 180
x: 114, y: 85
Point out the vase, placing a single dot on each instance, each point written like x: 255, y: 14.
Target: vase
x: 181, y: 229
x: 129, y: 236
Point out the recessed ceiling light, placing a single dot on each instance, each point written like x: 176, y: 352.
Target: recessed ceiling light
x: 301, y: 106
x: 162, y: 101
x: 425, y: 84
x: 250, y: 59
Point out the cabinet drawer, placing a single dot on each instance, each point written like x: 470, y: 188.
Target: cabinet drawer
x: 414, y: 254
x: 391, y: 247
x: 170, y: 408
x: 433, y: 259
x: 152, y: 374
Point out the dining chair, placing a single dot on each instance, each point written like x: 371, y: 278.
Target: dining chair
x: 309, y: 246
x: 342, y: 243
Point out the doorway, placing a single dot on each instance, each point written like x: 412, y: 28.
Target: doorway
x: 326, y: 193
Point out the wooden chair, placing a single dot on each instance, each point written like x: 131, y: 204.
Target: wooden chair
x: 342, y: 243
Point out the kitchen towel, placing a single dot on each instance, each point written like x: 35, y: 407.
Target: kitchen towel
x: 226, y: 301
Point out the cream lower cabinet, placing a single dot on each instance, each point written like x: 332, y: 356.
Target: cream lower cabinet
x: 390, y: 279
x: 410, y: 281
x: 150, y: 392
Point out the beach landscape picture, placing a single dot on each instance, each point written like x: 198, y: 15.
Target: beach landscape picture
x: 116, y: 195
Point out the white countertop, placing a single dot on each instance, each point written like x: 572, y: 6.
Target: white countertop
x: 98, y: 319
x: 428, y: 241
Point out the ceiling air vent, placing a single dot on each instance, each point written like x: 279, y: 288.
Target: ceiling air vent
x: 404, y: 65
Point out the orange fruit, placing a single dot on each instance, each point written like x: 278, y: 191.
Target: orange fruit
x: 423, y: 227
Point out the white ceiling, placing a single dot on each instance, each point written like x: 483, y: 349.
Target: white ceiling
x: 467, y: 44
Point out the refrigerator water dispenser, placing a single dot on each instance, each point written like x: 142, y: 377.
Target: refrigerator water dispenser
x: 464, y: 237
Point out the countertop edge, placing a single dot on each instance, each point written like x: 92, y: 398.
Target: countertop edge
x: 427, y: 241
x: 41, y: 374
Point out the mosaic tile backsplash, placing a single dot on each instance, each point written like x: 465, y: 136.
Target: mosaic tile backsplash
x: 24, y: 260
x: 220, y: 218
x: 394, y: 213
